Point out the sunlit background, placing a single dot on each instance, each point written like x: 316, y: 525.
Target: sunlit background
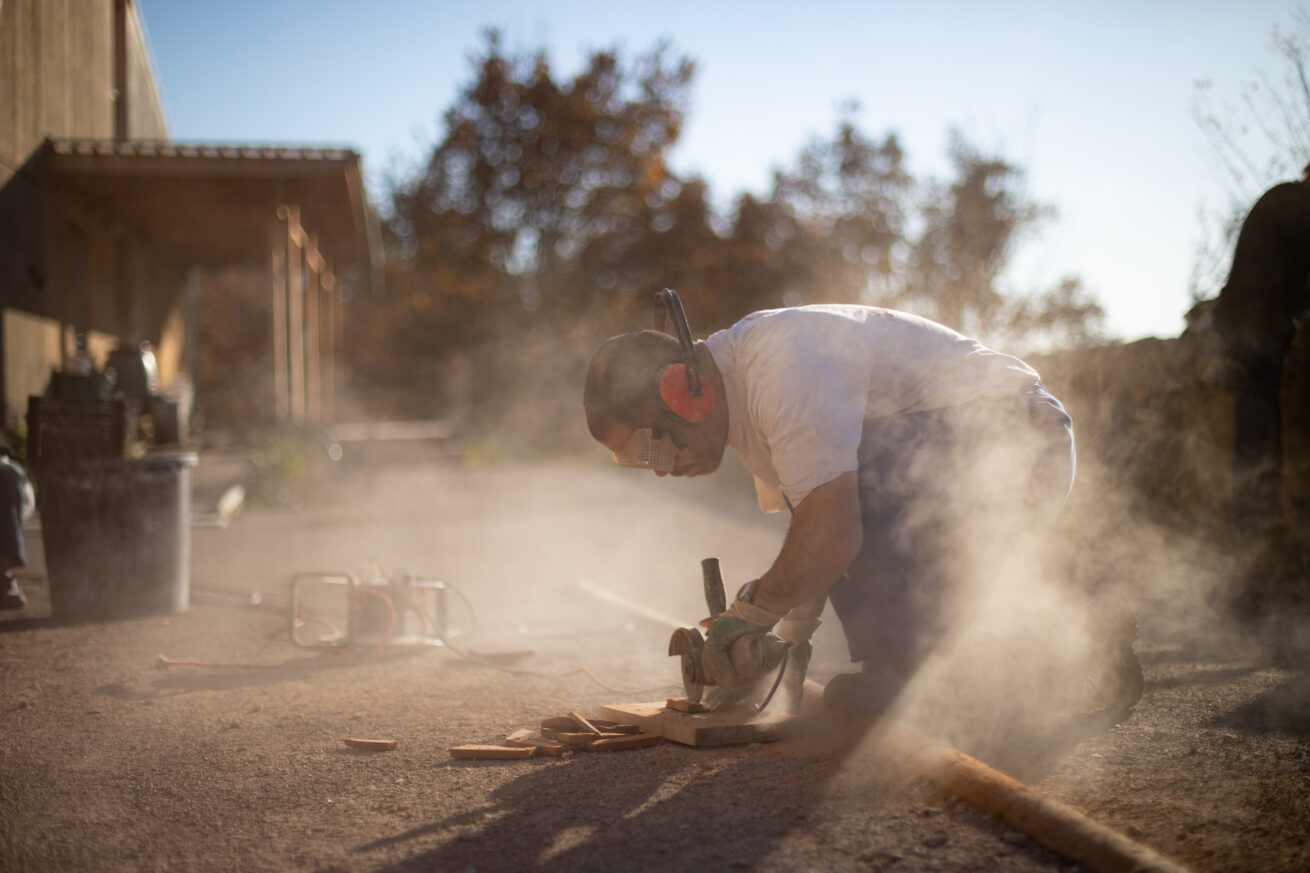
x: 397, y: 401
x: 1099, y: 105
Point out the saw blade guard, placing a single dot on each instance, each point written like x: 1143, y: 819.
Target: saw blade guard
x: 688, y: 643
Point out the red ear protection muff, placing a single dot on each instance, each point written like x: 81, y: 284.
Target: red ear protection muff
x: 681, y: 387
x: 676, y: 387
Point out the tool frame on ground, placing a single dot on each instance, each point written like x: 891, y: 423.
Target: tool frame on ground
x: 381, y: 611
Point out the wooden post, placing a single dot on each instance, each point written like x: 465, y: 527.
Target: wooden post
x: 278, y: 282
x: 313, y: 262
x: 191, y: 307
x: 329, y: 371
x: 295, y: 243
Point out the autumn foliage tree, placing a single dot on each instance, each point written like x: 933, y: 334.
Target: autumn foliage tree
x: 547, y: 216
x: 529, y: 205
x: 849, y: 197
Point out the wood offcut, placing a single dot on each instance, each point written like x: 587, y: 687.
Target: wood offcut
x: 474, y: 750
x: 700, y: 728
x: 370, y: 745
x: 557, y: 734
x: 625, y: 741
x: 682, y: 704
x: 530, y: 739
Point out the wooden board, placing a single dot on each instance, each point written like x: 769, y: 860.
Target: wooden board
x: 626, y: 741
x: 371, y: 745
x: 494, y: 752
x: 682, y: 704
x: 699, y: 728
x: 529, y: 738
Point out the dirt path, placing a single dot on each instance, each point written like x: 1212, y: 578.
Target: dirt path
x: 111, y: 763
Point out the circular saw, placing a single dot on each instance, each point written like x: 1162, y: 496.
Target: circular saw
x: 688, y: 645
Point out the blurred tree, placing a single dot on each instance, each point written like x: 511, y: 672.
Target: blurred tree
x: 544, y: 209
x: 1255, y: 142
x: 525, y: 205
x: 546, y: 217
x: 849, y: 197
x: 1064, y: 317
x: 969, y: 231
x: 672, y: 244
x: 765, y: 260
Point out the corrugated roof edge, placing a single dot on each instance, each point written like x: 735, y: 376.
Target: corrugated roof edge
x: 170, y: 149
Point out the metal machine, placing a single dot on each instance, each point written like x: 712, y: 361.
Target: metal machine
x: 378, y: 610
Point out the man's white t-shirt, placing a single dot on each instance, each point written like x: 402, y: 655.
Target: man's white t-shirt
x: 800, y: 383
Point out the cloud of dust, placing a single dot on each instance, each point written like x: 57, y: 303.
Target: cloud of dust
x: 1041, y: 604
x: 1032, y: 599
x: 519, y: 508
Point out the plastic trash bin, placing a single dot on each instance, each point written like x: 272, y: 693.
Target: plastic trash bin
x: 117, y: 535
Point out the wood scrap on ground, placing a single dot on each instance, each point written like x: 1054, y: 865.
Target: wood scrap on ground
x: 370, y: 745
x: 582, y: 738
x: 558, y: 723
x: 528, y: 737
x: 684, y: 725
x: 557, y: 734
x: 625, y: 741
x: 475, y: 750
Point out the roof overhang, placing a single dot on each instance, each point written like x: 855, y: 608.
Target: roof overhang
x: 213, y: 204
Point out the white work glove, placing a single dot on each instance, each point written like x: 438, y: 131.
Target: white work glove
x: 797, y: 628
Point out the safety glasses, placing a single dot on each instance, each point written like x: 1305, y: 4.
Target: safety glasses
x: 649, y: 448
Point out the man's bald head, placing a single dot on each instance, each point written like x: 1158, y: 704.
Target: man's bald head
x: 622, y: 386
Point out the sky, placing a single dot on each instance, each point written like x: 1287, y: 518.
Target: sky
x: 1095, y: 101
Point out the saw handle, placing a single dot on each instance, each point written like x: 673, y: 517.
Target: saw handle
x: 716, y: 598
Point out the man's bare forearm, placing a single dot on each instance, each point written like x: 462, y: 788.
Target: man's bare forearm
x: 824, y: 537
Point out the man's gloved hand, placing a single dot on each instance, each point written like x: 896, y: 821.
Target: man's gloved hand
x: 740, y: 646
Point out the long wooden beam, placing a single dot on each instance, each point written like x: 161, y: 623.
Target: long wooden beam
x: 1051, y: 823
x: 295, y: 313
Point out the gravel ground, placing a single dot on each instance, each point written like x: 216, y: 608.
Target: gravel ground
x: 111, y: 762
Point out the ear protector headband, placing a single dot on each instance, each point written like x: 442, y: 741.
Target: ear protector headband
x: 681, y: 387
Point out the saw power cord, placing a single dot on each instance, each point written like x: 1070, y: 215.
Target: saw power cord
x: 487, y: 662
x: 469, y: 655
x: 361, y: 596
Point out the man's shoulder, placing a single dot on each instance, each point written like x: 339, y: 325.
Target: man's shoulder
x: 780, y: 337
x: 815, y: 318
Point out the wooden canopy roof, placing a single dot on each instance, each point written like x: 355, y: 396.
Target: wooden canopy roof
x: 213, y: 204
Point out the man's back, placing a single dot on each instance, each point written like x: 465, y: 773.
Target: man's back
x: 800, y: 383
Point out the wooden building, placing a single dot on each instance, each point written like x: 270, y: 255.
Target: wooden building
x: 107, y: 226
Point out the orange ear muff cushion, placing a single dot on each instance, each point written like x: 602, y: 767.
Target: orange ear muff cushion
x: 677, y: 396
